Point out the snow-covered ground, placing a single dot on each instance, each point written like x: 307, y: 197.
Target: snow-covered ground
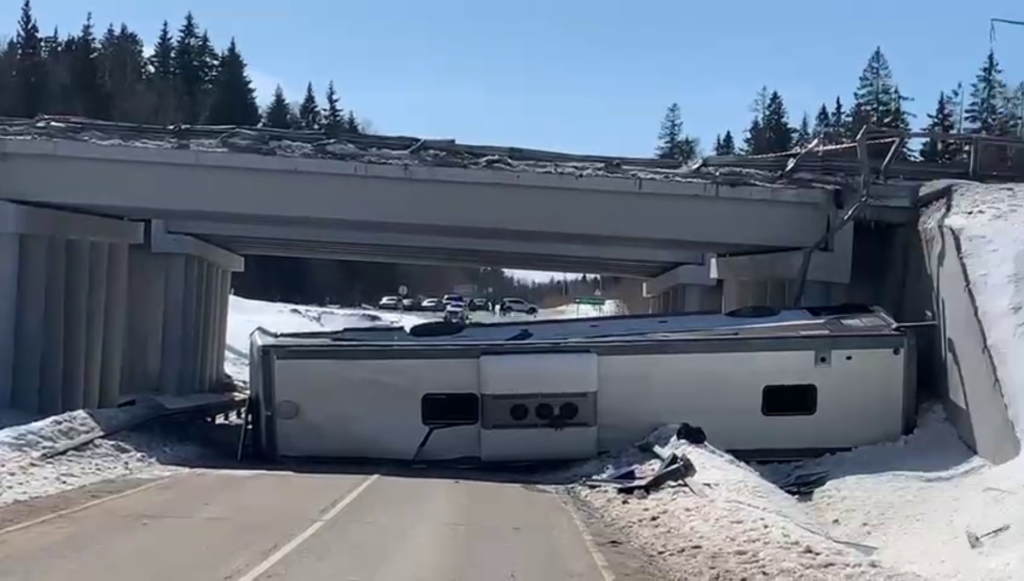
x: 914, y: 502
x: 245, y: 315
x: 24, y: 474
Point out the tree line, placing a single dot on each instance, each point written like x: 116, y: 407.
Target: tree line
x: 990, y: 106
x: 186, y: 79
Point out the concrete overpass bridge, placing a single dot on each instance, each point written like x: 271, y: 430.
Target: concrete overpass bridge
x: 121, y: 239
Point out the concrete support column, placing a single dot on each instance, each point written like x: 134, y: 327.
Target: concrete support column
x: 9, y: 251
x: 76, y: 313
x: 114, y: 325
x: 175, y: 329
x: 99, y: 257
x: 203, y: 327
x: 51, y: 388
x: 54, y: 304
x: 30, y: 330
x: 220, y: 332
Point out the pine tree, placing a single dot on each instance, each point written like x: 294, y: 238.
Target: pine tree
x: 30, y: 70
x: 754, y: 142
x: 123, y: 71
x: 728, y: 145
x: 874, y: 100
x: 778, y: 131
x: 8, y: 61
x: 672, y: 142
x: 162, y: 60
x: 91, y: 98
x: 757, y: 140
x: 839, y: 125
x: 822, y: 125
x: 333, y: 118
x: 803, y: 133
x: 162, y: 79
x: 233, y: 100
x: 671, y: 133
x: 351, y: 124
x: 189, y: 71
x: 943, y: 120
x: 900, y: 119
x: 279, y: 113
x: 309, y: 111
x: 718, y: 144
x: 985, y: 111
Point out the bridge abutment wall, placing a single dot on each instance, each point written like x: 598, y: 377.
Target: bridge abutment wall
x: 86, y: 302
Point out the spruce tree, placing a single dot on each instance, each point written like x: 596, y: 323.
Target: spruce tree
x: 803, y: 133
x: 986, y: 107
x: 233, y: 100
x: 161, y: 62
x: 189, y: 70
x: 333, y: 117
x: 351, y: 124
x: 90, y: 94
x: 778, y: 131
x: 717, y: 147
x: 671, y: 133
x: 162, y: 78
x: 30, y: 69
x: 942, y: 120
x: 823, y: 125
x: 279, y: 113
x: 874, y: 99
x: 757, y: 141
x: 672, y: 142
x: 839, y: 125
x: 754, y: 142
x: 728, y: 144
x: 123, y: 70
x: 309, y: 110
x: 8, y: 61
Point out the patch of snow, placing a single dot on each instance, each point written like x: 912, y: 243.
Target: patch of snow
x: 741, y: 526
x: 989, y: 221
x: 245, y: 315
x: 24, y: 475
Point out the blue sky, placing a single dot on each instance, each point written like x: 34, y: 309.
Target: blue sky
x: 590, y: 76
x: 579, y: 75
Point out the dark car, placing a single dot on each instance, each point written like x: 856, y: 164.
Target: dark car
x: 480, y: 305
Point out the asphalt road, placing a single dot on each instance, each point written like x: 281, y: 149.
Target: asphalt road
x: 249, y: 526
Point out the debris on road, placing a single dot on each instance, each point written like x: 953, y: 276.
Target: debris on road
x: 974, y: 540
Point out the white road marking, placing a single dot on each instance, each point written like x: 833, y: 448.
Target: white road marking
x: 304, y: 535
x: 82, y: 507
x: 599, y: 560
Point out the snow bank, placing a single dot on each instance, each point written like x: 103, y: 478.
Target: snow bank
x: 989, y: 221
x: 741, y: 526
x: 23, y: 475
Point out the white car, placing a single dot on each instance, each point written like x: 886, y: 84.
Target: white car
x: 455, y: 313
x: 514, y: 305
x: 389, y: 302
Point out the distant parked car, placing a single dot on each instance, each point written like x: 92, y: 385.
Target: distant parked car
x: 453, y: 298
x: 514, y: 305
x: 389, y: 302
x: 479, y: 304
x: 432, y: 304
x: 455, y: 312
